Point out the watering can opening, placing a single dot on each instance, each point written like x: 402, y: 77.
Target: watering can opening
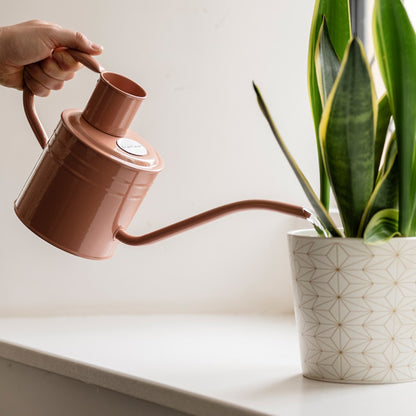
x: 123, y: 84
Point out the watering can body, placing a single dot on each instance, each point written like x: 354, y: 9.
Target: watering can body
x: 92, y: 174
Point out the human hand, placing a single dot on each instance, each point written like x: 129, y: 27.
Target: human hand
x: 33, y: 53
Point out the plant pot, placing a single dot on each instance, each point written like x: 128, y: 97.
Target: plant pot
x: 355, y: 308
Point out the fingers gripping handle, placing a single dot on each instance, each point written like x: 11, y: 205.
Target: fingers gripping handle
x: 86, y: 60
x: 29, y: 103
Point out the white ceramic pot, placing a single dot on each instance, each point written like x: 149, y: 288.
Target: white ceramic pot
x: 355, y: 308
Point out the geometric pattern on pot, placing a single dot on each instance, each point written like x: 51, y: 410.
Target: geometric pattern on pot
x: 355, y: 308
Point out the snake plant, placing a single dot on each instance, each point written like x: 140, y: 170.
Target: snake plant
x: 366, y: 146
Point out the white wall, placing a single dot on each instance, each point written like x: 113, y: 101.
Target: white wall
x: 196, y: 59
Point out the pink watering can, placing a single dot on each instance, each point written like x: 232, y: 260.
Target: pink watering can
x: 94, y: 173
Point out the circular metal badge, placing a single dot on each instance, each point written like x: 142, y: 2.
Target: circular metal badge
x: 131, y: 146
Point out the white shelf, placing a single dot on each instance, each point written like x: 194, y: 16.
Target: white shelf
x: 197, y: 364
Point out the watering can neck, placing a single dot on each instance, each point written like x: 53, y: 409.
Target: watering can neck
x: 113, y: 104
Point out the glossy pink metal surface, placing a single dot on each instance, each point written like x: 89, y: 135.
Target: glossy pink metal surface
x: 77, y: 196
x: 85, y: 185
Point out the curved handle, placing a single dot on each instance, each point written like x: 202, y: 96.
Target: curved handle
x: 32, y: 117
x: 210, y: 215
x: 28, y: 97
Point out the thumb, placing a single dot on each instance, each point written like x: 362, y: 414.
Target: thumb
x: 74, y: 40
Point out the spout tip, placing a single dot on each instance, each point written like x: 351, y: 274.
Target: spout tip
x: 306, y: 213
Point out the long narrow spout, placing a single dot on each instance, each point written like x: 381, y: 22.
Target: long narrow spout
x: 210, y: 215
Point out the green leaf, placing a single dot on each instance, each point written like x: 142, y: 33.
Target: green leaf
x: 383, y: 121
x: 391, y: 159
x: 385, y: 194
x: 326, y: 62
x: 347, y: 132
x: 320, y: 210
x: 382, y: 227
x: 338, y: 18
x: 395, y: 46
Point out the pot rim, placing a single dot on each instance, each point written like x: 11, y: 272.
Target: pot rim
x: 310, y: 233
